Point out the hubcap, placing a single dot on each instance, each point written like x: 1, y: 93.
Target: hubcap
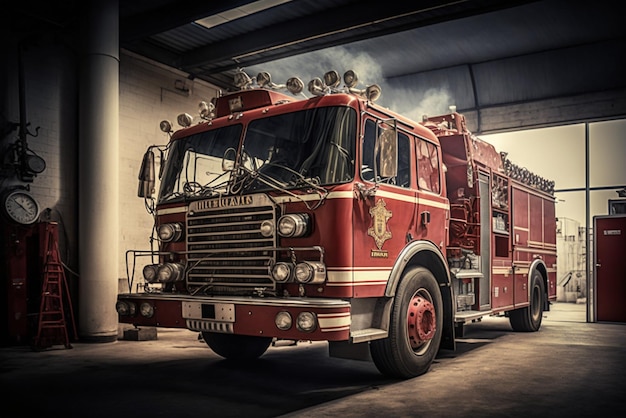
x: 421, y: 321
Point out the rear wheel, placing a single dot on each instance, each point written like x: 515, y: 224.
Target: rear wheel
x: 237, y: 347
x: 528, y: 319
x: 415, y: 328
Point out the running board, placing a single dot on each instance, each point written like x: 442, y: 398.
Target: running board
x: 464, y: 316
x: 367, y: 334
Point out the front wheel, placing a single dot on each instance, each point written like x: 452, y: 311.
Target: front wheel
x: 528, y: 319
x: 237, y: 347
x: 415, y: 329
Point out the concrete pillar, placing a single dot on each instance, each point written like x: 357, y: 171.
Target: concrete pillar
x: 98, y: 185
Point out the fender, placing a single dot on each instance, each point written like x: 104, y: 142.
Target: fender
x: 427, y: 254
x: 423, y: 253
x: 540, y: 265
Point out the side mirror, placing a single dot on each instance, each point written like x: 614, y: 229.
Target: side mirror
x: 146, y: 175
x: 388, y: 146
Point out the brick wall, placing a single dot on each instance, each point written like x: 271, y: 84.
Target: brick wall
x: 148, y: 92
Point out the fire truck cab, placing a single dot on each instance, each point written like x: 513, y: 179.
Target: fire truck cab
x: 331, y: 218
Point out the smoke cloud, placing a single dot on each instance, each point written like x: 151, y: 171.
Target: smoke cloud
x: 413, y: 100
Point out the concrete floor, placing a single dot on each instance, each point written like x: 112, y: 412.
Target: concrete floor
x: 569, y: 368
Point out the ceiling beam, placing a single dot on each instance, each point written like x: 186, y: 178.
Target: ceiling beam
x: 344, y: 24
x: 171, y: 16
x: 546, y: 112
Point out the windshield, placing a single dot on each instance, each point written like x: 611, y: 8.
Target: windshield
x: 194, y: 164
x: 311, y: 147
x: 308, y: 148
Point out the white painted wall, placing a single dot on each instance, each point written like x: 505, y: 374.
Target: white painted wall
x: 149, y: 93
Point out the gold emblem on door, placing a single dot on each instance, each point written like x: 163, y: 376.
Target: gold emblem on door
x: 380, y: 217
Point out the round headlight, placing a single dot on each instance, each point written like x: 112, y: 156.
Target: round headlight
x: 293, y: 225
x: 281, y: 272
x: 170, y: 232
x: 316, y: 87
x: 165, y: 126
x: 306, y: 322
x: 350, y: 78
x: 184, y: 120
x: 310, y: 272
x: 295, y: 85
x: 170, y: 272
x: 150, y: 272
x: 264, y: 79
x: 303, y: 273
x: 332, y: 79
x: 146, y: 310
x: 205, y: 109
x: 124, y: 308
x: 267, y: 228
x: 283, y: 320
x: 373, y: 92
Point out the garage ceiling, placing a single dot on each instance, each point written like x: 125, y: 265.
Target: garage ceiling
x: 505, y: 64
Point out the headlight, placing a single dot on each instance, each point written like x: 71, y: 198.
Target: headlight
x: 146, y: 310
x: 170, y: 232
x: 310, y: 272
x: 184, y: 120
x: 293, y: 225
x: 150, y: 272
x: 281, y: 272
x: 294, y: 85
x: 166, y: 126
x: 306, y: 322
x: 267, y: 228
x: 124, y: 308
x: 170, y: 272
x: 283, y: 321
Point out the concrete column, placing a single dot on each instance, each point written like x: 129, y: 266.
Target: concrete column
x: 98, y: 185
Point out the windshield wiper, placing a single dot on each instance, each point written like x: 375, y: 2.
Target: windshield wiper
x: 247, y: 178
x: 342, y: 151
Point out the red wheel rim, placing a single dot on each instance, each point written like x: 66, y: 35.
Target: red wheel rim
x: 421, y: 321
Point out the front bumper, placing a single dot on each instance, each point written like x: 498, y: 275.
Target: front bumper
x: 240, y: 315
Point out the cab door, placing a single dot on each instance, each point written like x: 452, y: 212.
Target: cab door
x: 384, y: 214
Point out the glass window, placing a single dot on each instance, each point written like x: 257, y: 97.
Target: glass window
x: 316, y: 145
x: 371, y: 157
x: 427, y: 166
x: 194, y: 164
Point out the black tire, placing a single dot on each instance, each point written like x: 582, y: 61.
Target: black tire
x: 528, y: 319
x: 236, y: 347
x: 412, y: 344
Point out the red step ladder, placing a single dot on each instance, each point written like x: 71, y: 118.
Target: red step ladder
x: 52, y: 325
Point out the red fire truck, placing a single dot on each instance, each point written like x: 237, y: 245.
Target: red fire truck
x: 331, y: 218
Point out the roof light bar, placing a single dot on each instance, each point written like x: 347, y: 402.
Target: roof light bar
x: 317, y: 86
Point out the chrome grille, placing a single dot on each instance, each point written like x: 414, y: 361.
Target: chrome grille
x: 226, y: 252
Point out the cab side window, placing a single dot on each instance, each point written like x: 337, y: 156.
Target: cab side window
x: 371, y: 157
x: 404, y: 161
x: 427, y: 166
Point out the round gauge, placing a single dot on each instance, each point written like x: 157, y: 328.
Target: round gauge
x: 21, y: 207
x: 35, y: 164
